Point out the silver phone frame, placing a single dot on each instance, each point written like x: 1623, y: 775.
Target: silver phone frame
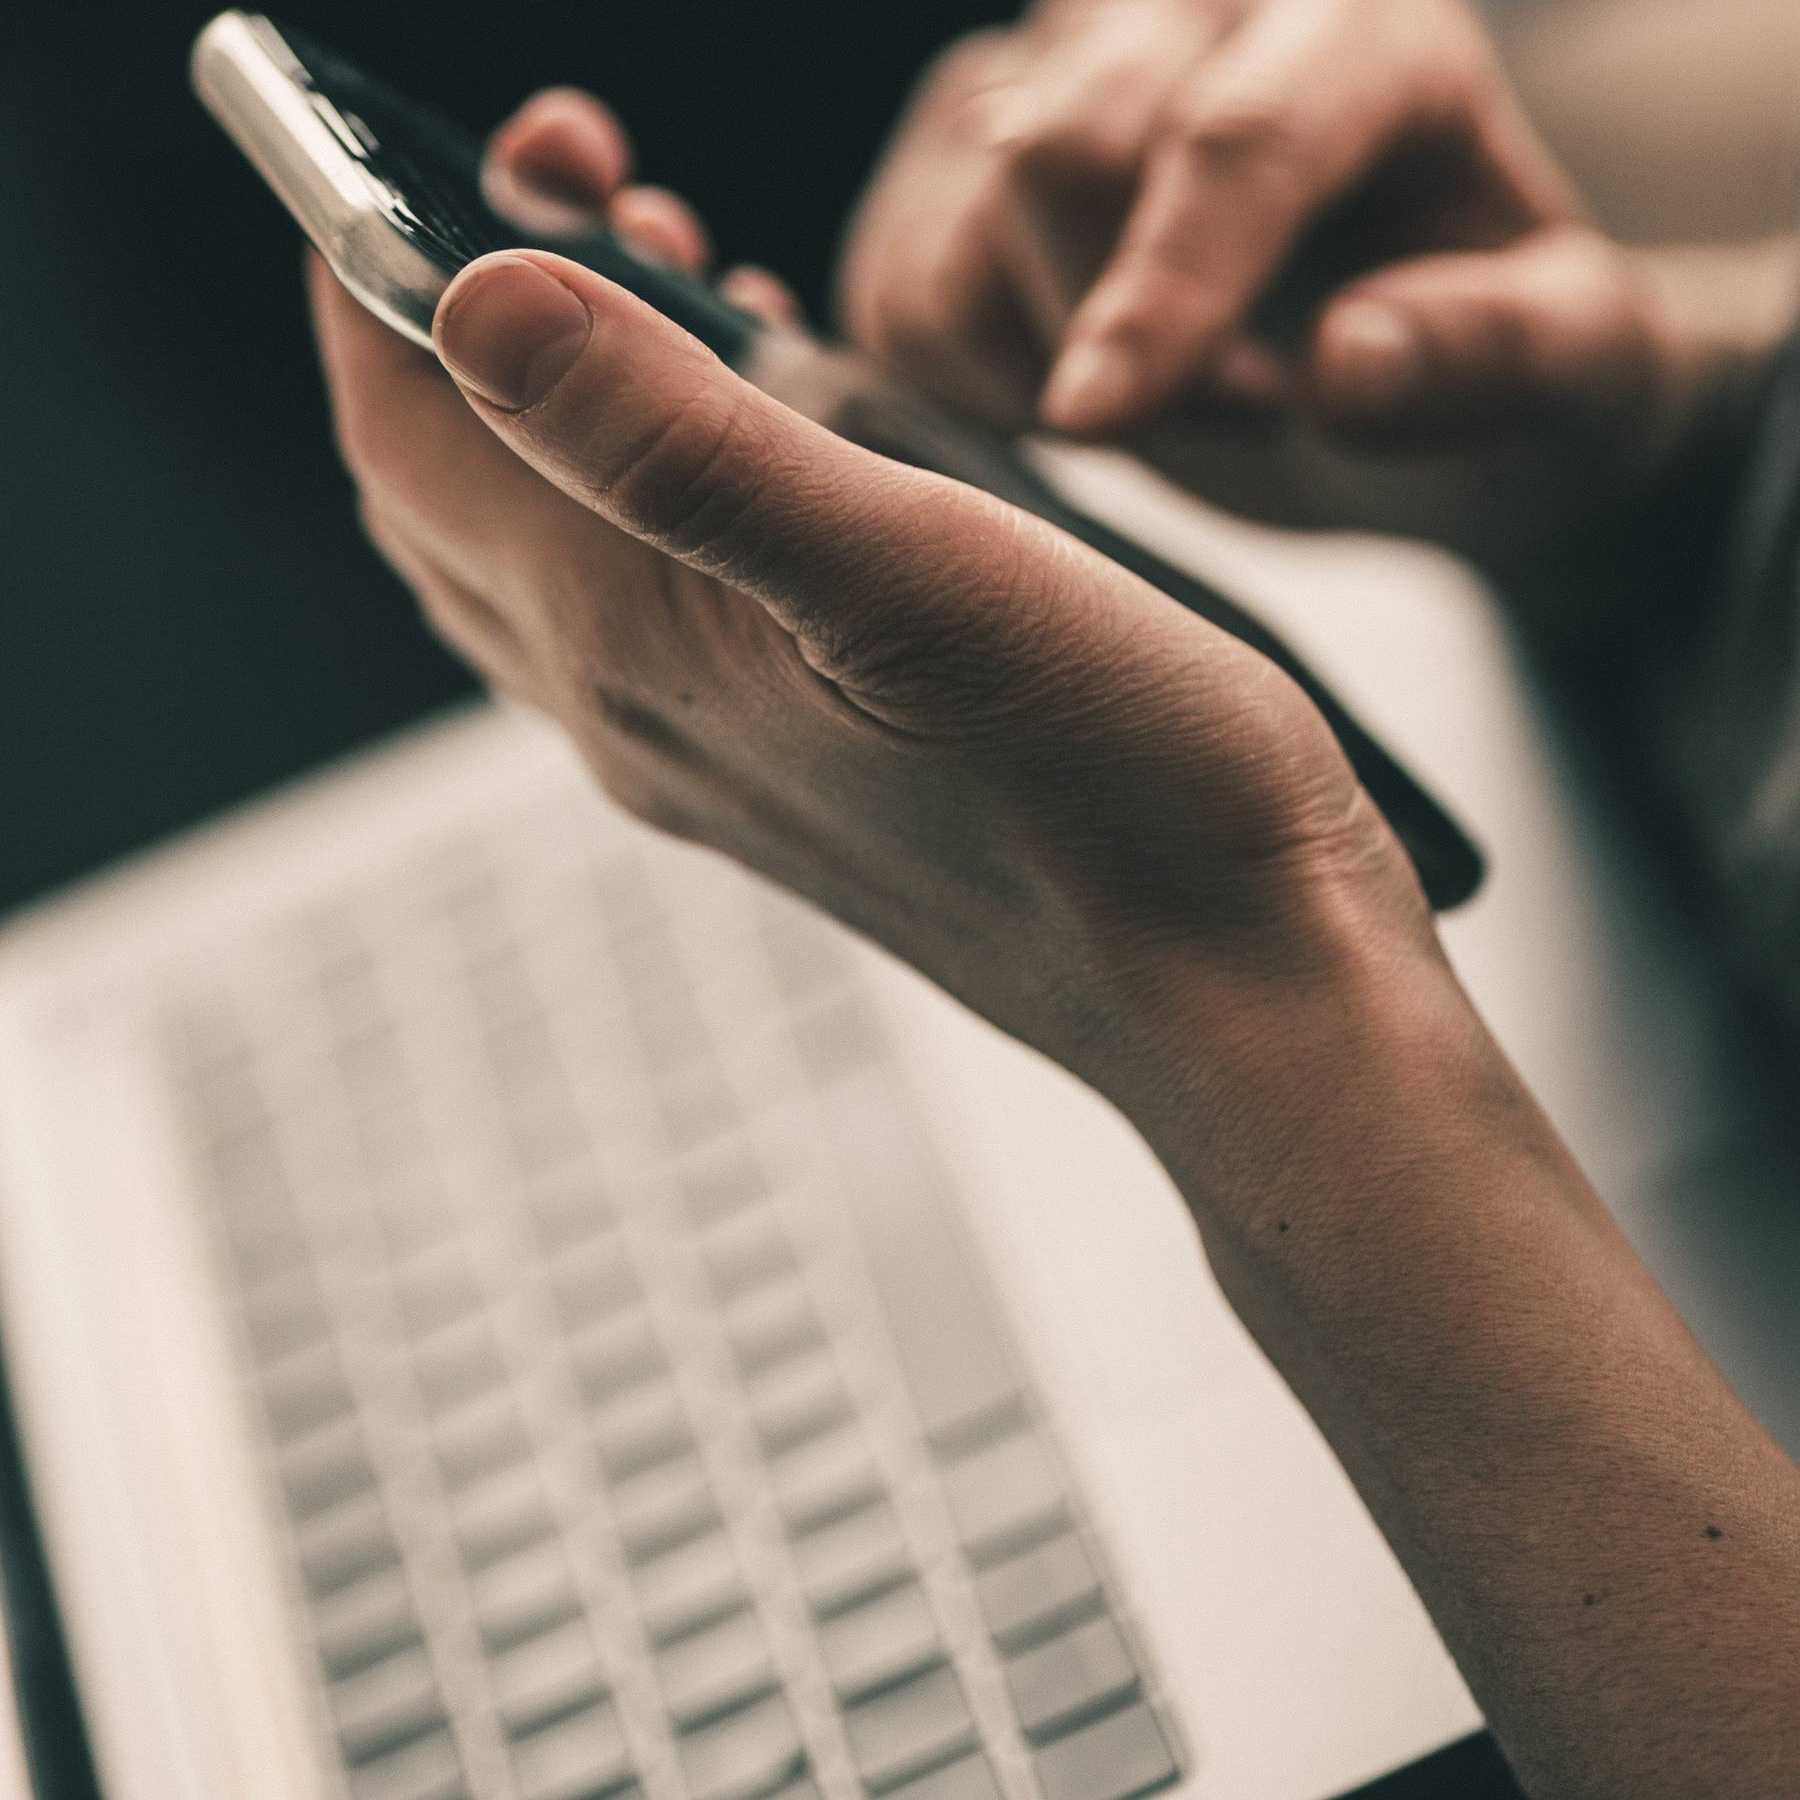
x: 252, y: 82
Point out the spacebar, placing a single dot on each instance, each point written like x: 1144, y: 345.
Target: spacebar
x: 940, y: 1315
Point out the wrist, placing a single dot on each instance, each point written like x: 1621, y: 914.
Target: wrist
x: 1264, y: 1068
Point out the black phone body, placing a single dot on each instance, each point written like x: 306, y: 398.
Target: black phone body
x: 390, y: 193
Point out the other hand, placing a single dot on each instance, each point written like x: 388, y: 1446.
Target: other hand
x: 1154, y: 219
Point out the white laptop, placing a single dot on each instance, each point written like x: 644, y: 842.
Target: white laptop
x: 504, y: 1305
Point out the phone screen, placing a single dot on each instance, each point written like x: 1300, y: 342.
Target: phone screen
x: 431, y: 168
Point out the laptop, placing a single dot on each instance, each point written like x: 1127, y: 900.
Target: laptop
x: 501, y: 1304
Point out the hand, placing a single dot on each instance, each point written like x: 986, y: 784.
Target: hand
x: 1067, y: 801
x: 1329, y: 215
x: 1132, y: 842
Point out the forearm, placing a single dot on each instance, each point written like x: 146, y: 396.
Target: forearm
x: 1609, y: 1543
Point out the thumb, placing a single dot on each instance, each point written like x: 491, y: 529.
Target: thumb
x: 1553, y: 331
x: 872, y: 565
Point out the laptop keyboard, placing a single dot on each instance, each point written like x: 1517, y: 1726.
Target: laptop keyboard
x: 636, y: 1412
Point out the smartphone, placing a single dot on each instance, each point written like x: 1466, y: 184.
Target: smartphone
x: 390, y: 193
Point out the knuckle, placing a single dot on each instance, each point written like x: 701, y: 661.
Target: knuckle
x: 1252, y: 141
x: 690, y: 483
x: 1061, y: 150
x: 964, y: 665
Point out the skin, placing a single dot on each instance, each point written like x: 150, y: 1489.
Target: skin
x: 1310, y: 259
x: 1131, y: 843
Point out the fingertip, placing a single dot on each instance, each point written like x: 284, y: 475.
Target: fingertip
x: 1251, y: 377
x: 662, y: 226
x: 563, y: 145
x: 508, y: 328
x: 1095, y: 386
x: 1370, y: 359
x: 762, y: 294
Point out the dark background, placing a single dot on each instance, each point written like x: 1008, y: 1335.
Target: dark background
x: 187, y: 611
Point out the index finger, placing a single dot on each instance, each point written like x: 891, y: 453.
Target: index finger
x: 1304, y: 101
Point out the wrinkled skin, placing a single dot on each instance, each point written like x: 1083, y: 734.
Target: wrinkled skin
x: 1016, y: 765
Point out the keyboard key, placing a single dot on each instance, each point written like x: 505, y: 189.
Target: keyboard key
x: 797, y: 1401
x: 771, y: 1325
x: 547, y: 1138
x: 481, y: 1437
x: 305, y: 1392
x: 851, y: 1558
x: 344, y: 1545
x: 501, y: 1514
x: 593, y: 1283
x: 716, y: 1669
x: 1038, y: 1592
x: 365, y: 1621
x: 457, y: 1363
x: 751, y: 1752
x: 1121, y: 1756
x: 905, y: 1730
x: 268, y: 1246
x: 641, y: 1429
x: 1003, y: 1491
x: 722, y: 1187
x: 325, y: 1469
x: 524, y: 1594
x: 744, y: 1257
x: 1070, y: 1679
x: 436, y: 1289
x: 429, y: 1768
x: 968, y: 1778
x: 883, y: 1641
x: 284, y: 1317
x: 825, y: 1478
x: 663, y: 1506
x: 942, y: 1324
x: 580, y: 1754
x: 416, y: 1216
x: 616, y: 1356
x: 569, y: 1211
x: 388, y: 1704
x: 693, y: 1581
x: 542, y: 1677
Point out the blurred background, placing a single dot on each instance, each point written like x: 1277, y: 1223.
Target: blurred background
x: 189, y: 611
